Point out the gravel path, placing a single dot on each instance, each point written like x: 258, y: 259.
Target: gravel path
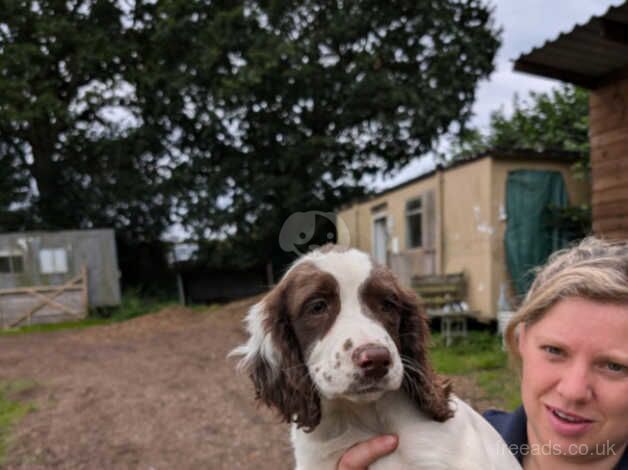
x: 151, y: 393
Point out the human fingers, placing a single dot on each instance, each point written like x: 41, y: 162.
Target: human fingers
x: 363, y: 454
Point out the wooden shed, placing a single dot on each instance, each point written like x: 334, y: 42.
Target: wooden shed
x: 594, y: 55
x: 48, y: 277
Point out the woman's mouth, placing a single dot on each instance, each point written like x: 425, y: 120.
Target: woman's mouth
x: 567, y: 424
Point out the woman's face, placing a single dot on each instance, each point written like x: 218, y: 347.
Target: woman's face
x: 574, y: 382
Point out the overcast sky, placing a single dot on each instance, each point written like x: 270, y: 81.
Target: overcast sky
x: 525, y: 25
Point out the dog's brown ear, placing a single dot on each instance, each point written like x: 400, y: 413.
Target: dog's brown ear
x: 420, y: 382
x: 274, y: 361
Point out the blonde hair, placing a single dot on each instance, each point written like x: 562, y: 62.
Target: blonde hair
x: 594, y: 269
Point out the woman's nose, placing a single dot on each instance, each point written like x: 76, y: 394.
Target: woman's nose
x: 576, y: 383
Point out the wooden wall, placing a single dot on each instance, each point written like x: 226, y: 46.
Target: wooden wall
x: 609, y: 159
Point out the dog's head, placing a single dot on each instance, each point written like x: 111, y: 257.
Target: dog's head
x: 339, y: 327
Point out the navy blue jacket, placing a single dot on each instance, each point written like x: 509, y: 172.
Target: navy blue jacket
x: 513, y: 428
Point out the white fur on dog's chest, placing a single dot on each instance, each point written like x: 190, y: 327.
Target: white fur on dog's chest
x: 464, y: 442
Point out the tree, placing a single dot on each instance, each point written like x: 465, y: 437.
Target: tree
x: 226, y: 115
x: 79, y: 146
x: 323, y: 94
x: 66, y: 69
x: 556, y: 120
x: 13, y: 193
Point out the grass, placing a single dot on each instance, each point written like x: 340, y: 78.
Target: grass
x: 204, y: 308
x: 85, y: 323
x: 479, y: 356
x: 11, y: 411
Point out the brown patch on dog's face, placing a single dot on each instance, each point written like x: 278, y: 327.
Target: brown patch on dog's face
x: 298, y: 311
x: 403, y: 316
x: 313, y: 303
x: 382, y: 299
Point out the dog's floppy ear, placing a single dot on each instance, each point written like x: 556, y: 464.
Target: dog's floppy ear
x: 274, y: 361
x: 420, y: 382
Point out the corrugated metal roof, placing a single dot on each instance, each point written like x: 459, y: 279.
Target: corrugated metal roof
x: 590, y: 55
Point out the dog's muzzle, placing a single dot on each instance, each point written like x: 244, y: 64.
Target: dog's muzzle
x: 373, y: 360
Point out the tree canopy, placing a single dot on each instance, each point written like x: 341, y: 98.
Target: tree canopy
x: 227, y: 116
x: 66, y: 68
x: 556, y: 120
x: 330, y: 92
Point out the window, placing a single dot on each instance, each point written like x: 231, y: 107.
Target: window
x: 380, y: 239
x: 414, y: 224
x: 53, y: 261
x: 11, y: 262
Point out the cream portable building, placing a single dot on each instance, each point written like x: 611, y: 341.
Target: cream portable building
x: 455, y: 219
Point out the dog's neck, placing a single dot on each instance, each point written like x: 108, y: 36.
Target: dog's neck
x: 339, y: 416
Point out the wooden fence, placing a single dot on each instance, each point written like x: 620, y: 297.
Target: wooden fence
x: 44, y: 304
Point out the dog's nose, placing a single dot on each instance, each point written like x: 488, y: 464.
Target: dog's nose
x: 373, y: 359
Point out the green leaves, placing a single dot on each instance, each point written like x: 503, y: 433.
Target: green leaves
x: 227, y: 116
x: 546, y: 121
x: 557, y: 120
x: 326, y: 92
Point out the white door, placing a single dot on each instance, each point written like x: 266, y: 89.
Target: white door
x: 380, y: 240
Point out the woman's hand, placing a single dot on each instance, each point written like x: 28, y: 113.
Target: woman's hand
x: 363, y: 454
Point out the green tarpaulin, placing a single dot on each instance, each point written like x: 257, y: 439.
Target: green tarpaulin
x: 529, y: 240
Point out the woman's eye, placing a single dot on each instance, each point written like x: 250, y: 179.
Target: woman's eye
x: 553, y: 350
x: 615, y: 367
x: 317, y: 307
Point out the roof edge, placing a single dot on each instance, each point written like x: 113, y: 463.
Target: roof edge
x: 495, y: 153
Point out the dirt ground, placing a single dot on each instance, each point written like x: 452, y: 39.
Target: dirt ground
x: 152, y: 393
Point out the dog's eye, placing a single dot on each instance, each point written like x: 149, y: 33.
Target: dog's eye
x: 316, y: 307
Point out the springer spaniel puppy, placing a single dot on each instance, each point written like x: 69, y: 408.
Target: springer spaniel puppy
x: 338, y: 347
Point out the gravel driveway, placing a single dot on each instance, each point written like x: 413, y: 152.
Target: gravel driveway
x: 151, y: 393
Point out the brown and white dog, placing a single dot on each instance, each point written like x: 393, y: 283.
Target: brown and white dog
x: 339, y: 348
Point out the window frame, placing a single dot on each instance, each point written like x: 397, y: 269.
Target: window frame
x: 12, y: 256
x: 408, y: 213
x: 58, y: 264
